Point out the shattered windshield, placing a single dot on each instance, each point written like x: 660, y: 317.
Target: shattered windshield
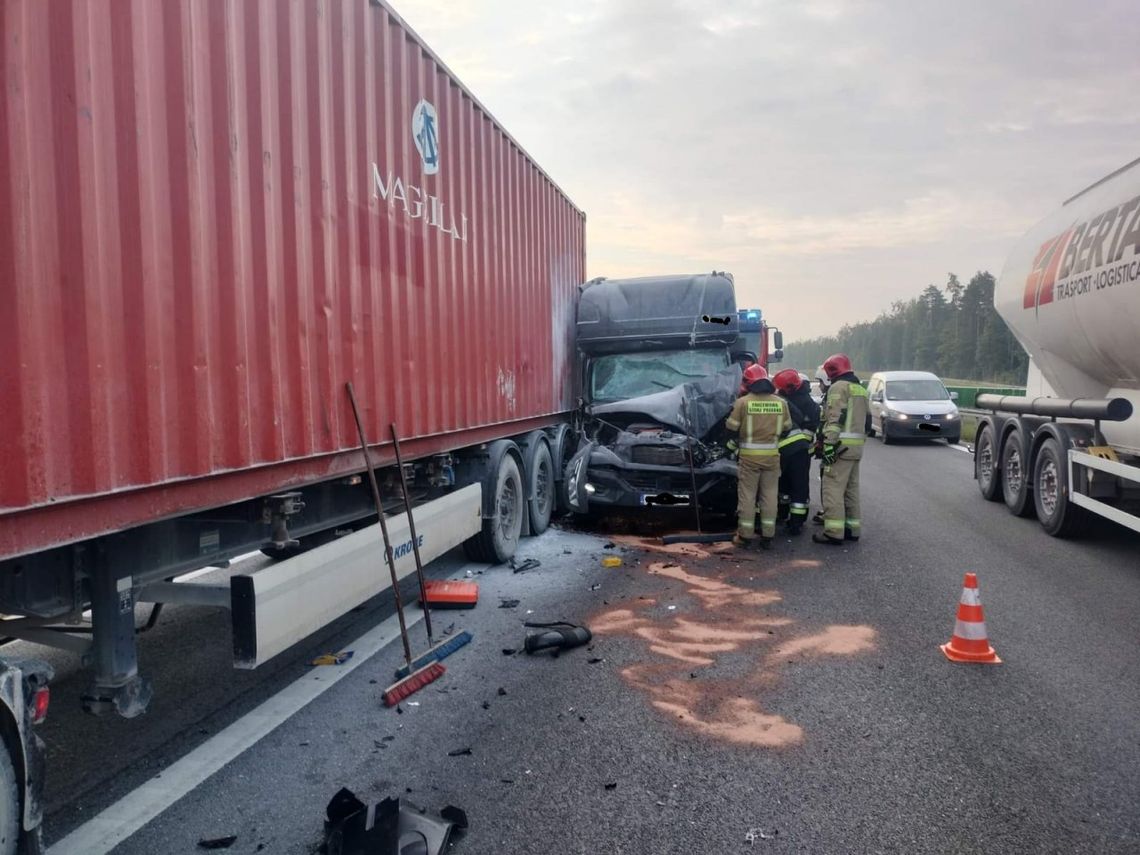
x: 629, y: 375
x: 916, y: 390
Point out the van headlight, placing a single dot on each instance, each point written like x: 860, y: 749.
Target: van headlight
x: 897, y: 415
x: 950, y: 416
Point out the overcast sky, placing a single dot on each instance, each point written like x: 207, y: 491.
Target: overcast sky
x: 834, y: 156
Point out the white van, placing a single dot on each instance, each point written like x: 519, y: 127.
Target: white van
x: 912, y: 405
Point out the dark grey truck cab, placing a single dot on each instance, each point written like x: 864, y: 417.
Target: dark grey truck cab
x: 659, y: 372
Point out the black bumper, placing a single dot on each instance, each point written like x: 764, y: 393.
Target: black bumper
x: 619, y: 484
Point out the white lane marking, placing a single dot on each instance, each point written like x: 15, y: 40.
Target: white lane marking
x: 961, y: 448
x: 122, y: 819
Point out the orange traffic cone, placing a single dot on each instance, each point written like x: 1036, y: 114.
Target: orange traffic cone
x: 969, y: 642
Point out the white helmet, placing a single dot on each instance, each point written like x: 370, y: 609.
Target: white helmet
x: 821, y: 376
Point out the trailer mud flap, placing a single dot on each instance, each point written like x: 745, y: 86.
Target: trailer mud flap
x: 284, y: 603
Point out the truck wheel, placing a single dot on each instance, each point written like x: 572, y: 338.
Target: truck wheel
x: 989, y: 477
x: 9, y: 804
x: 1015, y: 476
x: 1058, y: 516
x: 542, y: 486
x: 501, y: 531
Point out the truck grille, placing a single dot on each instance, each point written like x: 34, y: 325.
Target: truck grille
x: 658, y: 455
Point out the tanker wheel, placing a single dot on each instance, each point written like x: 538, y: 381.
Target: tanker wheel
x: 9, y: 804
x: 499, y: 537
x: 540, y: 506
x: 1057, y: 515
x: 1015, y: 476
x: 989, y: 477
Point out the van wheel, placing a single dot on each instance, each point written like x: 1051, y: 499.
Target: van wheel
x: 540, y: 506
x: 988, y: 475
x: 1015, y: 476
x: 500, y: 535
x: 1058, y: 516
x: 9, y: 804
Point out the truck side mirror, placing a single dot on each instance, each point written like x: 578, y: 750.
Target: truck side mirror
x: 877, y: 397
x: 778, y: 341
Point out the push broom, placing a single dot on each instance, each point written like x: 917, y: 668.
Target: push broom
x: 435, y: 652
x: 415, y: 679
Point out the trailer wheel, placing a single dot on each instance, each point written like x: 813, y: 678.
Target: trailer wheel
x: 1058, y: 516
x: 9, y: 804
x: 1015, y: 475
x: 989, y: 476
x: 542, y: 488
x: 501, y: 531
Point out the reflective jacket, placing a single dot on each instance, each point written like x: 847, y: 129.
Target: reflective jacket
x: 805, y: 421
x: 760, y: 420
x: 846, y: 416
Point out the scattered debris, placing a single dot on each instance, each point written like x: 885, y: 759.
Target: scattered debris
x: 755, y: 834
x: 609, y: 544
x: 507, y: 780
x: 510, y: 651
x: 303, y: 744
x: 581, y: 718
x: 595, y: 660
x: 502, y: 691
x: 508, y: 604
x: 332, y: 658
x: 486, y: 705
x: 595, y: 587
x: 460, y: 752
x: 348, y: 832
x: 567, y: 551
x: 611, y: 561
x: 672, y: 608
x: 523, y: 566
x: 557, y: 636
x: 217, y: 842
x: 612, y: 786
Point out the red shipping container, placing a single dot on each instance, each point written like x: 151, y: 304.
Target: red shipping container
x: 212, y: 215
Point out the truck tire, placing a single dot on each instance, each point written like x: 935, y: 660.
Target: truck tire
x: 988, y: 473
x: 9, y: 804
x: 501, y: 531
x: 1057, y: 515
x: 540, y: 474
x: 1015, y: 475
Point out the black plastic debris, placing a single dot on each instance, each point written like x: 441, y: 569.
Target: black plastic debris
x: 609, y: 544
x: 523, y: 566
x: 217, y: 842
x: 508, y: 604
x: 460, y: 752
x: 502, y: 691
x: 556, y: 636
x: 510, y: 651
x: 486, y: 705
x: 387, y: 828
x: 612, y: 785
x: 595, y: 660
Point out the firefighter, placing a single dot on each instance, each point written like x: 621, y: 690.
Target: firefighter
x: 796, y: 447
x: 844, y: 432
x: 760, y: 418
x: 821, y: 378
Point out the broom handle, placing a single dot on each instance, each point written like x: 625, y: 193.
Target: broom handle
x: 412, y: 529
x: 383, y: 525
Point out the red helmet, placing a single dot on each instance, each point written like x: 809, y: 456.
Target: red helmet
x: 787, y: 381
x: 752, y: 374
x: 837, y: 365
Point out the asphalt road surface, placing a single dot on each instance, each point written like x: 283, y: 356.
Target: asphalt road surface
x: 792, y: 701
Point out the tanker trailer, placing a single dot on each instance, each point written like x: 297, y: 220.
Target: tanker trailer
x: 1070, y: 292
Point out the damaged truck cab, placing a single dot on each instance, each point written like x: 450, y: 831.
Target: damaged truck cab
x: 659, y: 371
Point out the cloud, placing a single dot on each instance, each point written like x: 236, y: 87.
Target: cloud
x: 834, y: 156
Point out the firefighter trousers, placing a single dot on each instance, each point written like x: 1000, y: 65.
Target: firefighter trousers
x: 795, y: 480
x: 841, y: 497
x: 757, y: 484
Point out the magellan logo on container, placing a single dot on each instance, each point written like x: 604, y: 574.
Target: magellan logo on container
x: 1087, y: 257
x: 425, y: 132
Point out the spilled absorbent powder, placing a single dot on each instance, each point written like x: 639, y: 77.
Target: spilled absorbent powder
x: 713, y: 593
x: 835, y: 641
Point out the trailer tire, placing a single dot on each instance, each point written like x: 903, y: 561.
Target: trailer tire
x: 499, y: 538
x: 9, y: 804
x: 1057, y: 515
x: 988, y: 472
x: 1015, y: 475
x: 540, y: 474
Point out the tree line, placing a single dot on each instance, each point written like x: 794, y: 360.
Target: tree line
x: 953, y: 331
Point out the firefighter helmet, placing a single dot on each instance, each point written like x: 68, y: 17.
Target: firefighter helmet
x: 837, y: 365
x: 787, y: 381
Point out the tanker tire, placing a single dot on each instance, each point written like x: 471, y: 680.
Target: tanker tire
x: 1057, y: 515
x: 540, y: 506
x: 1015, y: 476
x: 499, y: 538
x: 989, y: 485
x: 9, y: 805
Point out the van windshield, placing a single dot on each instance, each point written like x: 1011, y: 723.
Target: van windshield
x: 916, y: 390
x: 619, y: 376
